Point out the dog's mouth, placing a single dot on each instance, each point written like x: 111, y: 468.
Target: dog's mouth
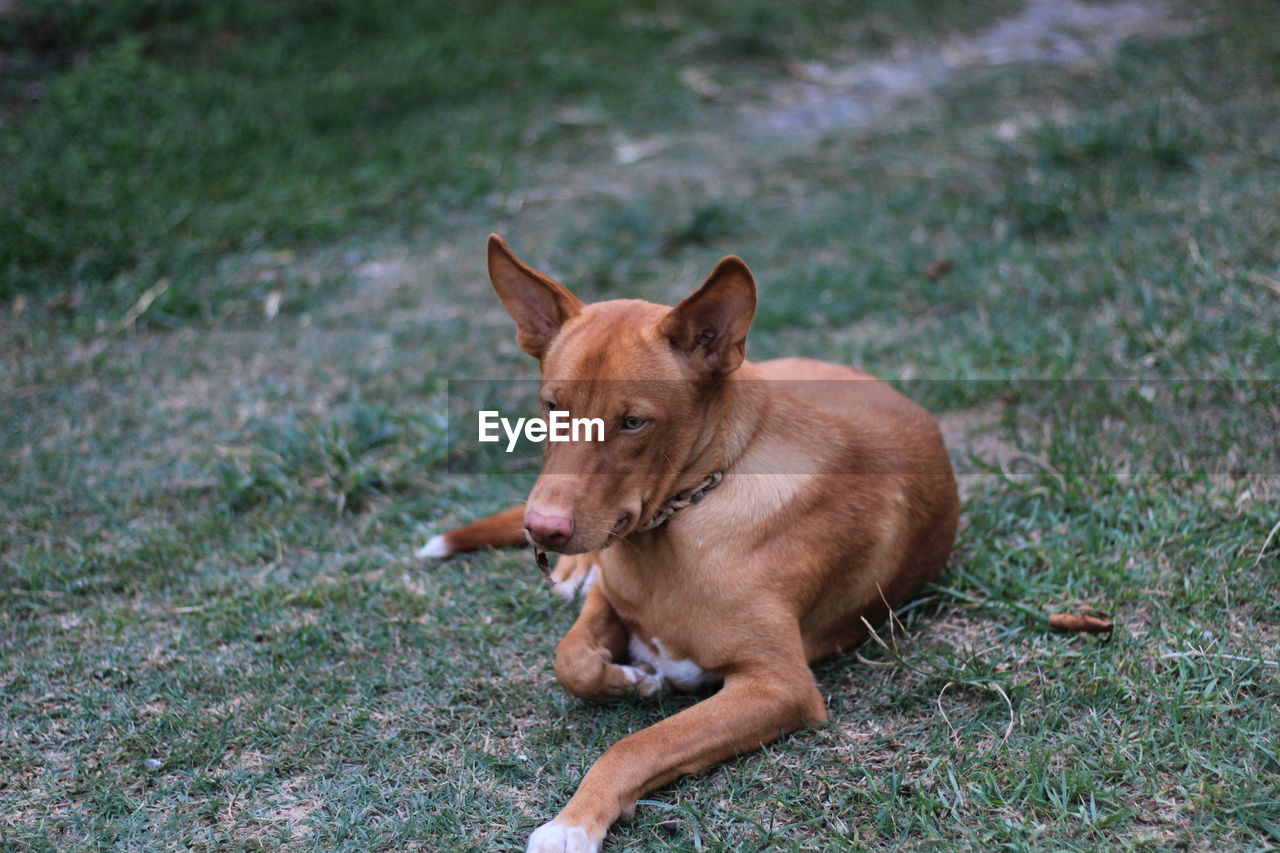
x: 620, y: 528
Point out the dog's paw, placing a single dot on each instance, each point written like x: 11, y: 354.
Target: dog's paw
x: 435, y: 549
x: 645, y: 681
x: 574, y: 574
x: 557, y: 837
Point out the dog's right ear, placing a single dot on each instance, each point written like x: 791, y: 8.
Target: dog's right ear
x: 538, y: 304
x: 710, y: 327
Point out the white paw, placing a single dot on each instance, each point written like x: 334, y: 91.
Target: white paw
x: 556, y: 837
x: 436, y: 548
x: 575, y: 582
x: 646, y: 683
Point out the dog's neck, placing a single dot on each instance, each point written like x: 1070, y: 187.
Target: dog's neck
x: 737, y: 410
x: 680, y: 500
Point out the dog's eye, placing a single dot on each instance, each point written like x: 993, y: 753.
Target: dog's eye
x: 549, y: 405
x: 631, y: 423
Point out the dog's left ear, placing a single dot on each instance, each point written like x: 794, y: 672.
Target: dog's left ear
x: 710, y: 327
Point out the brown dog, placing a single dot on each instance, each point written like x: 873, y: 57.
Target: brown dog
x: 759, y: 521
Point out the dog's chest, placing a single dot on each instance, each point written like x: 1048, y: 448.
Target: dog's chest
x: 684, y: 674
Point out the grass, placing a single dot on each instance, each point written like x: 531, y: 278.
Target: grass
x: 214, y: 634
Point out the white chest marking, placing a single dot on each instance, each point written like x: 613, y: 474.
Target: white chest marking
x: 684, y: 674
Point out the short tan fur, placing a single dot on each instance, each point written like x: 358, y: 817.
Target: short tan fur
x: 838, y: 502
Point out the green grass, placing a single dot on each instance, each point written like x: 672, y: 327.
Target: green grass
x: 213, y: 634
x: 194, y: 131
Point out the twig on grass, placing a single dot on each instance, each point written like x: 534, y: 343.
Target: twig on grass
x: 150, y: 295
x: 1266, y: 543
x: 1223, y: 656
x: 1039, y: 461
x: 990, y: 685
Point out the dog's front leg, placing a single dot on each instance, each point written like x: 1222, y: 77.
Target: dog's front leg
x: 586, y: 657
x: 752, y: 709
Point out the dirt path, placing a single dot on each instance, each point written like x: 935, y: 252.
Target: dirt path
x: 825, y: 96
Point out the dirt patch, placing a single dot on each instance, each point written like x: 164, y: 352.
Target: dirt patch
x: 823, y: 97
x: 290, y: 809
x: 977, y: 437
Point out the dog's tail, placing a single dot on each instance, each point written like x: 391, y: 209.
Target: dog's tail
x: 501, y: 530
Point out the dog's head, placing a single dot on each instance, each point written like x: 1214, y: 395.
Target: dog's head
x: 654, y: 375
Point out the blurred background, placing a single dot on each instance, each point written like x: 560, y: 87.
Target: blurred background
x: 241, y: 260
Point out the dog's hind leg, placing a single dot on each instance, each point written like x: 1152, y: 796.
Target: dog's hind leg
x: 575, y: 573
x: 501, y: 530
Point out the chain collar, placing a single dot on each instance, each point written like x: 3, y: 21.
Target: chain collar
x: 680, y: 500
x: 670, y: 507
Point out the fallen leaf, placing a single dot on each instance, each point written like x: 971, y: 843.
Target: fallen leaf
x: 629, y: 151
x: 65, y: 302
x: 939, y: 268
x: 1265, y: 280
x: 701, y: 82
x: 1081, y: 622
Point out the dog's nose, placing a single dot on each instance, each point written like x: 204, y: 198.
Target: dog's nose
x: 548, y: 531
